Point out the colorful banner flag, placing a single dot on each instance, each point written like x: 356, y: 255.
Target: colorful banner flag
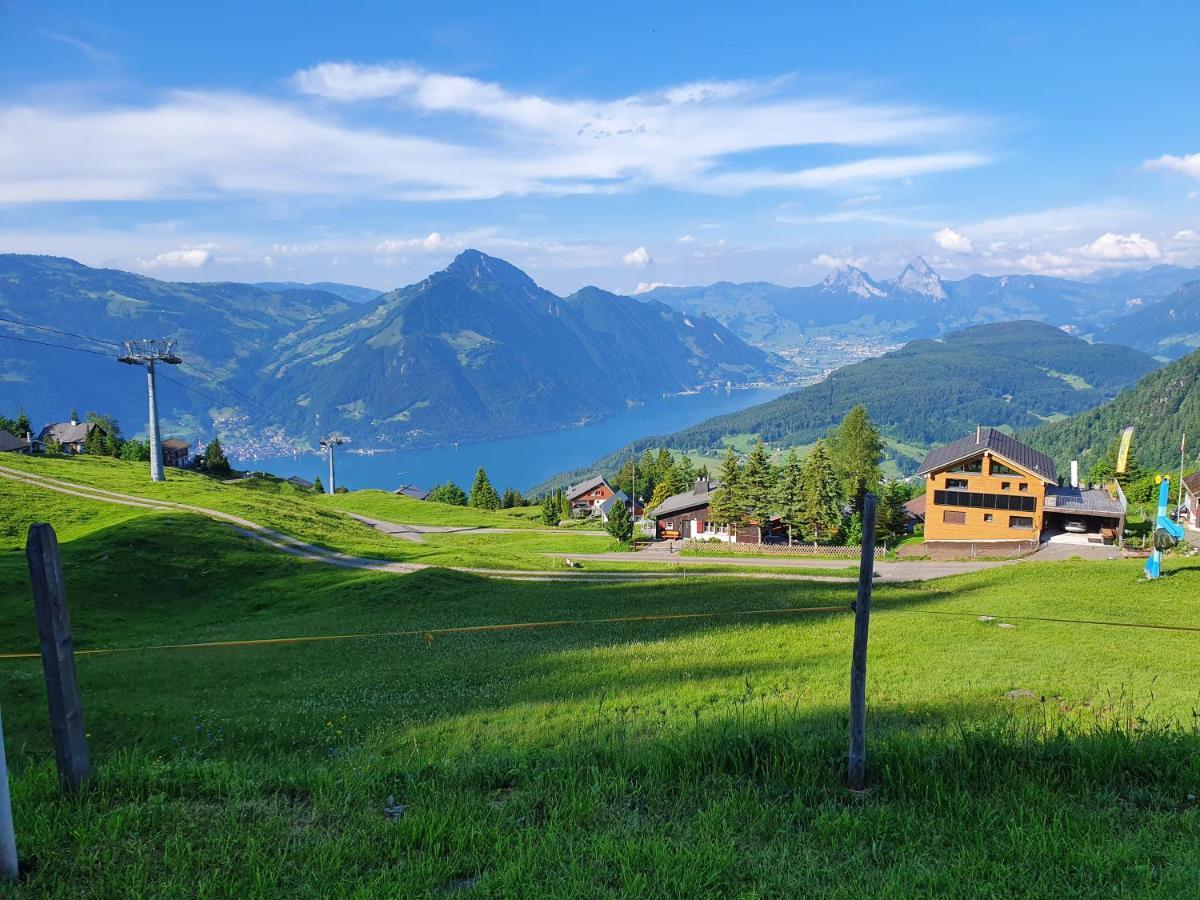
x: 1123, y: 453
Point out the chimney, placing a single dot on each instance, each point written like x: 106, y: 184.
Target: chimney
x: 73, y: 423
x: 701, y: 486
x: 1074, y: 473
x: 979, y: 434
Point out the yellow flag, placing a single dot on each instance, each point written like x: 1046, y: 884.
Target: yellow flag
x: 1123, y: 453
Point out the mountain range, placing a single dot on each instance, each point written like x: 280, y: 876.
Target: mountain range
x: 475, y: 351
x: 349, y: 292
x: 1010, y: 374
x: 1167, y: 329
x: 851, y: 306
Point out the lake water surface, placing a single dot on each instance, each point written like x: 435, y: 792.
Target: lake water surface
x: 521, y: 462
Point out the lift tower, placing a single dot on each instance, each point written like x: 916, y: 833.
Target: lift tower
x: 328, y: 443
x: 146, y: 352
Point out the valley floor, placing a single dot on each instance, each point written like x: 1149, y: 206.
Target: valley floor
x: 451, y: 732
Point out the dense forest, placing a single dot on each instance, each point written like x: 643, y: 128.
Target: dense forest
x: 1159, y: 407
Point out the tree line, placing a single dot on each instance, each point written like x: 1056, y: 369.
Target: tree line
x: 482, y: 495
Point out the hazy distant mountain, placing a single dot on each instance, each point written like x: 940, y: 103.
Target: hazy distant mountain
x: 1014, y: 374
x: 1168, y: 328
x: 225, y: 330
x: 475, y: 351
x: 850, y: 305
x: 350, y: 292
x: 478, y: 350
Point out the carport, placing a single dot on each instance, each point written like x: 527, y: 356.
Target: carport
x: 1101, y: 514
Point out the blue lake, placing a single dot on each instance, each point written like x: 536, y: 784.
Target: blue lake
x: 520, y: 462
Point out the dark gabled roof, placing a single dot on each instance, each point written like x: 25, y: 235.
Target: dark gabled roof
x: 1084, y: 501
x: 66, y: 433
x: 916, y: 507
x: 1192, y: 483
x: 689, y: 499
x: 411, y: 490
x: 993, y: 441
x: 176, y: 444
x: 12, y: 442
x: 584, y: 486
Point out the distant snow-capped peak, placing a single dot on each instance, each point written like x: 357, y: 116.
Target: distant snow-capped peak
x: 919, y: 278
x: 852, y: 281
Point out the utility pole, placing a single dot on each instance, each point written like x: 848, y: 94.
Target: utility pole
x: 328, y: 443
x: 147, y: 352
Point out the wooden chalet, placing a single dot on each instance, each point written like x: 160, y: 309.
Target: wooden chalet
x: 688, y: 516
x: 989, y: 487
x: 588, y: 496
x: 176, y: 453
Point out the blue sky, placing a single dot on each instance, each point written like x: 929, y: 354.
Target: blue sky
x: 626, y: 146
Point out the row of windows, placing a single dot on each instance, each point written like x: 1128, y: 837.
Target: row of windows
x: 976, y: 500
x: 975, y: 467
x: 957, y: 517
x: 953, y: 483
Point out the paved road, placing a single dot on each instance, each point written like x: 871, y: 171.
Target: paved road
x: 913, y: 570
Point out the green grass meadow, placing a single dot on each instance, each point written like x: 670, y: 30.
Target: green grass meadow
x: 604, y: 752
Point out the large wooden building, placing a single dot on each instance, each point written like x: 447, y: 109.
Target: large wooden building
x: 989, y: 487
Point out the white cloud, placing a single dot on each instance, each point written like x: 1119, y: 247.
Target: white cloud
x: 646, y: 286
x: 189, y: 258
x: 828, y: 261
x: 1185, y: 165
x: 198, y: 144
x: 684, y: 239
x: 1110, y: 246
x: 1186, y: 235
x: 638, y: 259
x: 428, y: 244
x: 949, y: 239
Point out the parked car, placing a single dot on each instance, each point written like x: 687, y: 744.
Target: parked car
x: 1075, y: 526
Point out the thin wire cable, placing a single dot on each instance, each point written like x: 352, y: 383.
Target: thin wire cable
x: 82, y: 337
x: 13, y: 337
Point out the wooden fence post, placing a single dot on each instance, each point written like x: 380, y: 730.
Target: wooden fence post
x: 58, y: 655
x: 8, y: 836
x: 858, y: 663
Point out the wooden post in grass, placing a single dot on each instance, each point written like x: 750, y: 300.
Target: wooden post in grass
x: 8, y: 836
x: 858, y: 662
x: 58, y: 655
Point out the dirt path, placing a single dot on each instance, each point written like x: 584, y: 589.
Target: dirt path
x: 413, y: 532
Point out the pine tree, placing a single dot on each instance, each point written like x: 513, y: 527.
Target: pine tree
x: 620, y: 523
x: 449, y: 493
x: 683, y: 475
x: 214, y: 458
x: 726, y: 507
x: 890, y: 523
x: 821, y: 496
x: 318, y: 485
x: 564, y: 505
x: 757, y: 486
x: 857, y: 451
x: 550, y: 511
x: 483, y: 495
x: 789, y: 493
x: 21, y: 425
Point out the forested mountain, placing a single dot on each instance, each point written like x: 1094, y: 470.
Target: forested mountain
x: 349, y: 292
x: 479, y: 350
x: 917, y: 303
x: 1169, y: 328
x: 1160, y: 407
x: 225, y: 330
x: 473, y: 352
x: 1014, y: 374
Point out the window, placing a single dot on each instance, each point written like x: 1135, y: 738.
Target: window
x: 987, y: 517
x: 974, y: 500
x: 954, y: 517
x: 952, y: 483
x: 970, y: 467
x: 999, y: 468
x: 1022, y: 486
x: 1020, y: 522
x: 1006, y: 485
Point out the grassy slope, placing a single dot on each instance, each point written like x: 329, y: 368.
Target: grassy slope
x: 679, y: 757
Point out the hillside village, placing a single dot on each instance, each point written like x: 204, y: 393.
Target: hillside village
x: 599, y: 451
